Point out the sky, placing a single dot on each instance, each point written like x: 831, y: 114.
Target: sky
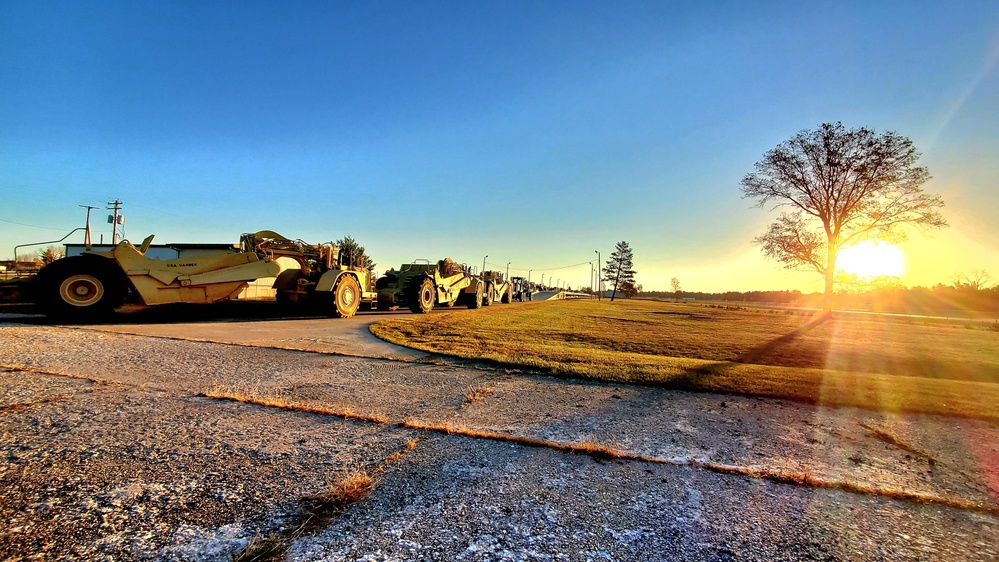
x: 534, y: 133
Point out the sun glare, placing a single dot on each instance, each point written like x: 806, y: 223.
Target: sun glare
x: 872, y: 258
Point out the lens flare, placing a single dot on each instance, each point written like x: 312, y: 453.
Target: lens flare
x: 872, y: 258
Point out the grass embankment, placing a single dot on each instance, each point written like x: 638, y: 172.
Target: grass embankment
x: 889, y: 364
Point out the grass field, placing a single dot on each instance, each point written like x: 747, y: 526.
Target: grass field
x: 890, y: 364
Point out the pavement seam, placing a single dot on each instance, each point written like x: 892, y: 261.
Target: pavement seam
x: 422, y: 361
x: 318, y: 510
x: 594, y: 450
x: 604, y: 453
x: 892, y: 439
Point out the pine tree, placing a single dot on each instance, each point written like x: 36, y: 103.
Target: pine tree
x: 619, y: 267
x: 353, y: 254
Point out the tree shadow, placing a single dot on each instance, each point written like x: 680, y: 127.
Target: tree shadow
x: 770, y: 352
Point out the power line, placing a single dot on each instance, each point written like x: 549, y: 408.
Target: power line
x: 33, y: 226
x: 539, y: 268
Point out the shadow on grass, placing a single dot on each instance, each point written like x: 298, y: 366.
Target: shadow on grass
x: 769, y: 353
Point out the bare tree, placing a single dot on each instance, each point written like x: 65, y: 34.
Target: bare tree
x: 674, y: 283
x: 977, y: 280
x: 51, y: 254
x: 618, y: 269
x: 843, y: 186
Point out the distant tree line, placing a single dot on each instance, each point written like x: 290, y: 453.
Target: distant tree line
x: 763, y: 297
x: 940, y: 299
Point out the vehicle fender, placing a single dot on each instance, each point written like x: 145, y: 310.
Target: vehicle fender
x: 328, y: 280
x: 287, y: 279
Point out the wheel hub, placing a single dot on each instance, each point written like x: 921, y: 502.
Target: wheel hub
x: 81, y: 290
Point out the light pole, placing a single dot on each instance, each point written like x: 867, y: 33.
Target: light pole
x: 599, y: 295
x: 507, y: 270
x: 484, y: 263
x: 529, y: 276
x: 542, y: 283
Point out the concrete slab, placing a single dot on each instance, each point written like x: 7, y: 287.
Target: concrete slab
x: 142, y: 438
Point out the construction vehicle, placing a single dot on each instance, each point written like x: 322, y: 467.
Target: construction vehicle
x: 496, y: 289
x: 522, y: 289
x: 91, y: 285
x: 422, y: 285
x: 324, y: 278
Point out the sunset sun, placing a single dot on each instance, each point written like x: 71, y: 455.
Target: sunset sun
x: 872, y: 258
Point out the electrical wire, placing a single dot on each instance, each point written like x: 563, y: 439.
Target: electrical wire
x: 33, y: 226
x: 538, y: 268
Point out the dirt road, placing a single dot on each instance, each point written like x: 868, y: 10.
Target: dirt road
x: 117, y: 442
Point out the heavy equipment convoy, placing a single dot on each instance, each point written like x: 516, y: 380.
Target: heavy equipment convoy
x: 421, y: 285
x: 95, y: 283
x: 522, y: 288
x: 496, y: 289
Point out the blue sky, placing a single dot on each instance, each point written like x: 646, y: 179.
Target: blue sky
x: 534, y: 132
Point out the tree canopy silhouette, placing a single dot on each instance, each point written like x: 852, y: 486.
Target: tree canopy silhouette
x: 843, y: 186
x: 353, y: 254
x: 618, y: 269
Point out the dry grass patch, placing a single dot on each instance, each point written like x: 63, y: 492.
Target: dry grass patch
x: 277, y: 399
x: 882, y: 364
x: 318, y: 509
x: 351, y: 487
x: 475, y: 393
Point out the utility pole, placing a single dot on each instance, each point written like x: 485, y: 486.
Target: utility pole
x: 599, y: 295
x: 86, y: 234
x: 114, y: 206
x: 484, y: 264
x: 507, y: 271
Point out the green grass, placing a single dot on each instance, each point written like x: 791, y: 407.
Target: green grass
x: 885, y: 364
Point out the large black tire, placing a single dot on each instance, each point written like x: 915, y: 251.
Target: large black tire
x: 476, y: 301
x: 505, y: 299
x: 346, y: 297
x: 421, y: 296
x: 80, y: 288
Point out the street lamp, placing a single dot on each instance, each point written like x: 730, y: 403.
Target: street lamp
x: 542, y: 280
x: 529, y: 275
x: 599, y: 295
x: 507, y: 270
x: 484, y: 263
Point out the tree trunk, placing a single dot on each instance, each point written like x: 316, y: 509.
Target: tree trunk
x: 830, y: 275
x: 616, y: 279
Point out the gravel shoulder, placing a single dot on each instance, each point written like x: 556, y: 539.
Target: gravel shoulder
x: 109, y: 450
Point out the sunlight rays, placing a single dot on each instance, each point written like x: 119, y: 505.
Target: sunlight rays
x: 989, y: 63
